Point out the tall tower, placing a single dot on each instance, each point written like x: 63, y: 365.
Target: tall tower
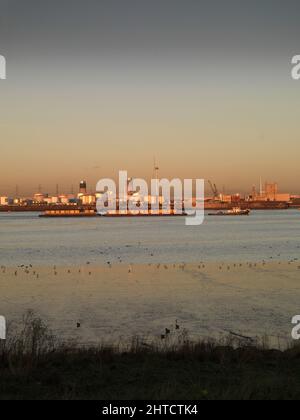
x: 82, y: 187
x: 261, y: 192
x: 156, y: 178
x: 156, y: 169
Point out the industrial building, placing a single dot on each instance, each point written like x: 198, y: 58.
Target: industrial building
x: 270, y: 193
x: 4, y: 201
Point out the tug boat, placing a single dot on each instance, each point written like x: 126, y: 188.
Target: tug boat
x: 236, y: 211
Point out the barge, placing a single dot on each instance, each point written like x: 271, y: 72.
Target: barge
x: 93, y: 213
x: 69, y: 213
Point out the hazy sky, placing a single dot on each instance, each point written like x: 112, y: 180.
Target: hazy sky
x: 96, y: 86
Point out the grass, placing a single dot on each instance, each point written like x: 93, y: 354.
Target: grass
x: 33, y: 365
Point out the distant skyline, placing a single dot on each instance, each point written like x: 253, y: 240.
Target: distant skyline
x: 58, y: 189
x: 98, y: 86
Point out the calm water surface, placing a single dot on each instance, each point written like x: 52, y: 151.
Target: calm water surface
x: 26, y: 238
x: 251, y: 302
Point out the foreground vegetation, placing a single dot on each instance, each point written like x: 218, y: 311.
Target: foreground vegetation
x: 34, y: 366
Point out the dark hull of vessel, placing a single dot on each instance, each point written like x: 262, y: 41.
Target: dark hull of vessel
x: 228, y: 214
x: 142, y: 215
x: 55, y: 216
x: 81, y: 215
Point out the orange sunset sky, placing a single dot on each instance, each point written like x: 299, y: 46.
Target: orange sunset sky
x: 207, y: 90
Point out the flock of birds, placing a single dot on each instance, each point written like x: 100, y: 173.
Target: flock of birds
x: 29, y: 269
x: 168, y: 331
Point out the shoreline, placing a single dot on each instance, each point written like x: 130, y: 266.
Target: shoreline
x: 40, y: 368
x: 254, y: 206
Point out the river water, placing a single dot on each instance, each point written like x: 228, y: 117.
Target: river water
x: 27, y: 239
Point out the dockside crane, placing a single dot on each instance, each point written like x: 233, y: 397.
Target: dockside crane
x: 214, y: 190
